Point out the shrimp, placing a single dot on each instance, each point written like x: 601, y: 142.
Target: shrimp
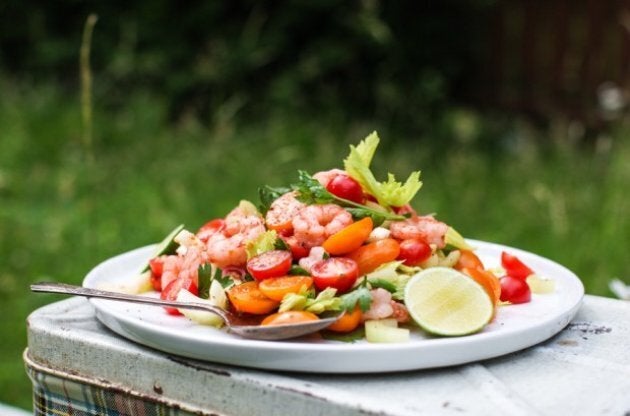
x: 314, y: 256
x: 425, y: 227
x: 325, y: 176
x: 381, y: 306
x: 315, y: 223
x: 190, y: 254
x: 281, y: 213
x: 226, y: 247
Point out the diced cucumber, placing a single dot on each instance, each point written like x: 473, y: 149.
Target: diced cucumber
x: 385, y: 331
x: 166, y: 246
x: 137, y: 284
x: 540, y: 285
x: 199, y: 317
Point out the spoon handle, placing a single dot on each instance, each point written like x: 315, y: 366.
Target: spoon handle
x: 124, y: 297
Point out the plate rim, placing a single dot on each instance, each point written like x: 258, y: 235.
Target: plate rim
x: 135, y: 329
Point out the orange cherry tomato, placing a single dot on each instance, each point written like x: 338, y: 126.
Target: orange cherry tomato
x: 348, y: 322
x: 248, y: 298
x: 468, y: 260
x: 349, y: 238
x: 487, y: 280
x: 276, y: 287
x: 289, y: 317
x: 372, y: 255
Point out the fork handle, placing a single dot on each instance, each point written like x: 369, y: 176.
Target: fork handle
x: 51, y: 287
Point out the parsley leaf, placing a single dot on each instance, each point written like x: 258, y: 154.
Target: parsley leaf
x: 268, y: 194
x: 310, y: 191
x: 360, y: 296
x: 204, y: 275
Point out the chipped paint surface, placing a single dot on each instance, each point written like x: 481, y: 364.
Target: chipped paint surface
x: 583, y: 370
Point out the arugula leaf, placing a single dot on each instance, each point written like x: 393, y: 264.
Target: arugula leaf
x: 360, y: 296
x: 310, y: 191
x: 389, y: 193
x: 268, y: 194
x: 204, y: 277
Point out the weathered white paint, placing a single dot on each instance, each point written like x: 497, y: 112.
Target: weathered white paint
x: 584, y: 370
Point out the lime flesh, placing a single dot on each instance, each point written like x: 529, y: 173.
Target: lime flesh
x: 446, y: 302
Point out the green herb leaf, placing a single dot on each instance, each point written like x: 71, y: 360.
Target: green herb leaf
x: 225, y: 281
x: 383, y: 284
x: 354, y: 336
x: 310, y: 191
x: 204, y: 277
x: 268, y: 194
x: 389, y: 193
x: 360, y: 296
x: 298, y: 271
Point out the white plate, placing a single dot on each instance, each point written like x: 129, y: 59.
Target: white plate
x: 515, y: 327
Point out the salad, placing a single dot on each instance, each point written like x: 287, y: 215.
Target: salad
x: 339, y: 240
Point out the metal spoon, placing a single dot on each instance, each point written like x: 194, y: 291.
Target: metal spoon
x: 244, y: 326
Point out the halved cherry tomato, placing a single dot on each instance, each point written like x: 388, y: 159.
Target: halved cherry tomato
x: 349, y: 238
x: 276, y: 287
x: 298, y: 249
x: 171, y: 291
x: 414, y: 251
x: 156, y: 265
x: 210, y: 228
x: 514, y: 290
x: 348, y: 321
x: 346, y: 187
x: 372, y: 255
x: 488, y: 281
x: 274, y: 263
x: 289, y: 317
x: 337, y: 272
x: 468, y: 260
x: 514, y: 267
x: 248, y: 298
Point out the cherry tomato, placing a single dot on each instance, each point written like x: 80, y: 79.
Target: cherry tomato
x: 171, y: 291
x: 276, y: 287
x: 210, y: 228
x: 274, y: 263
x: 248, y: 298
x: 289, y: 317
x: 345, y: 187
x: 298, y: 249
x: 156, y: 265
x: 372, y: 255
x: 468, y: 260
x: 514, y: 267
x: 348, y: 321
x: 336, y: 272
x: 414, y: 251
x: 349, y: 238
x: 514, y: 290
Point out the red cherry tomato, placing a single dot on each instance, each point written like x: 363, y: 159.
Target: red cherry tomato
x: 514, y: 267
x: 414, y: 251
x: 336, y: 272
x: 210, y: 228
x: 156, y: 265
x: 298, y: 249
x: 171, y: 291
x: 274, y: 263
x: 345, y: 187
x: 514, y: 290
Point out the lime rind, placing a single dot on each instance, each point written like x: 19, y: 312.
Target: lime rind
x: 445, y: 302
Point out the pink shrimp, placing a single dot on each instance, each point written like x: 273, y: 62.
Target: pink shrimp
x: 315, y: 223
x: 281, y: 213
x: 183, y: 266
x: 425, y: 227
x: 227, y: 246
x: 381, y: 306
x: 325, y: 176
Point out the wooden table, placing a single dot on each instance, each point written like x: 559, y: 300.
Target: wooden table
x: 584, y: 370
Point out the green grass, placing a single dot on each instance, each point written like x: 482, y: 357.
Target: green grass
x: 61, y: 214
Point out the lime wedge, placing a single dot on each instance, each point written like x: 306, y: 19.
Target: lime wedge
x: 446, y: 302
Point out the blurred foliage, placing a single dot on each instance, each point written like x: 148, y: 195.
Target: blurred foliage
x: 395, y: 61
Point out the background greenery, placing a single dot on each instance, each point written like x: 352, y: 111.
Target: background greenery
x: 187, y: 100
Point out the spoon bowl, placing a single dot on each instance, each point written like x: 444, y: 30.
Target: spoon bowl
x: 246, y: 326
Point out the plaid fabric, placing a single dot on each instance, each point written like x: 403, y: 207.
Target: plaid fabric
x: 54, y: 395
